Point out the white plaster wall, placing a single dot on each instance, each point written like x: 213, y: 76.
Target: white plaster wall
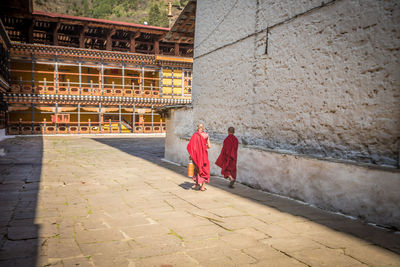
x: 329, y: 86
x: 328, y: 90
x: 222, y: 22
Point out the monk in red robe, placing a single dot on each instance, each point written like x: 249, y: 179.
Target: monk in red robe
x: 228, y: 158
x: 197, y: 148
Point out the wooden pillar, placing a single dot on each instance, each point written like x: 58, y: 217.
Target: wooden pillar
x: 142, y: 80
x: 55, y: 117
x: 30, y: 31
x: 133, y: 44
x: 183, y: 82
x: 109, y: 40
x: 102, y: 77
x: 133, y: 118
x: 79, y: 117
x: 33, y: 117
x: 172, y: 82
x: 82, y: 36
x: 33, y: 74
x: 152, y: 118
x: 56, y: 26
x: 56, y: 75
x: 123, y: 78
x: 176, y: 49
x: 80, y: 76
x: 133, y: 37
x: 100, y: 118
x: 156, y: 47
x: 160, y: 81
x: 100, y: 84
x: 120, y: 118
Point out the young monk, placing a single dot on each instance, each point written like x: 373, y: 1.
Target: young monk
x: 197, y: 148
x: 228, y: 157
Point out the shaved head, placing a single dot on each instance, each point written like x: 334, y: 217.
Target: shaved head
x: 200, y: 126
x: 231, y: 130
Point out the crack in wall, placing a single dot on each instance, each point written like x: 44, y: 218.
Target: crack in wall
x: 269, y: 27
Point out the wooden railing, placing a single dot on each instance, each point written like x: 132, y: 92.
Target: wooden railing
x: 93, y: 89
x: 27, y: 128
x: 132, y: 85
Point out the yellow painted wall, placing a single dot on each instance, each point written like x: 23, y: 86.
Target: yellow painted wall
x: 17, y: 75
x: 27, y: 116
x: 147, y: 118
x: 73, y: 75
x: 14, y: 117
x: 116, y: 78
x: 172, y: 77
x: 39, y: 77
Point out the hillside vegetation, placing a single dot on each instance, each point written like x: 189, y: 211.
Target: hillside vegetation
x: 154, y: 12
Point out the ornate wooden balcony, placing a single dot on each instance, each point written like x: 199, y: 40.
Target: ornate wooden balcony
x: 109, y: 127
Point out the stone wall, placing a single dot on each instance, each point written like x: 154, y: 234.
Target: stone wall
x: 312, y: 111
x: 328, y: 87
x: 368, y: 194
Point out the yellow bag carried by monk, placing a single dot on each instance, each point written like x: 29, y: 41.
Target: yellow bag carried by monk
x: 190, y: 168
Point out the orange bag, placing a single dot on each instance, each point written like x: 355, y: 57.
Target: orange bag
x: 190, y: 168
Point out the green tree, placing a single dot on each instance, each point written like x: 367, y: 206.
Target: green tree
x: 85, y: 11
x: 157, y: 16
x: 103, y: 8
x: 130, y: 4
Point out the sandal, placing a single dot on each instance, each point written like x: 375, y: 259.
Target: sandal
x: 203, y: 189
x: 231, y: 184
x: 196, y: 187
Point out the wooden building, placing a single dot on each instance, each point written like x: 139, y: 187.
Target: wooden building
x: 64, y: 74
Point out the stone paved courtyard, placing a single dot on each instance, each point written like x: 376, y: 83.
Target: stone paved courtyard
x: 112, y: 201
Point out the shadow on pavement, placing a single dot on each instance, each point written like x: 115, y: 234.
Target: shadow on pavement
x: 20, y: 171
x: 187, y: 185
x: 152, y: 149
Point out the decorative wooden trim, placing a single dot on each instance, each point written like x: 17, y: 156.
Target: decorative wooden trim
x: 21, y: 49
x: 175, y: 59
x: 107, y: 100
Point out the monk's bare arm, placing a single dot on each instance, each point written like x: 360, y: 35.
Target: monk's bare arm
x: 208, y: 143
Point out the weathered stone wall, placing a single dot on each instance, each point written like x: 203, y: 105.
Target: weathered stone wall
x: 369, y: 194
x: 326, y: 93
x: 328, y: 87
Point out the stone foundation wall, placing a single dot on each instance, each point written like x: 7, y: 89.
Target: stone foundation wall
x: 370, y: 194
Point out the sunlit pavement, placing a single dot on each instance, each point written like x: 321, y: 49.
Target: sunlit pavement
x: 112, y: 201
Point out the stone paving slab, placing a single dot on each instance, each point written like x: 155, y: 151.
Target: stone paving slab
x: 112, y: 201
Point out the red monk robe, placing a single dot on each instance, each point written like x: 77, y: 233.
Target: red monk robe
x: 197, y: 149
x: 228, y: 157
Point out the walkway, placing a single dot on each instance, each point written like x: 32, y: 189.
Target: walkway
x: 111, y: 201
